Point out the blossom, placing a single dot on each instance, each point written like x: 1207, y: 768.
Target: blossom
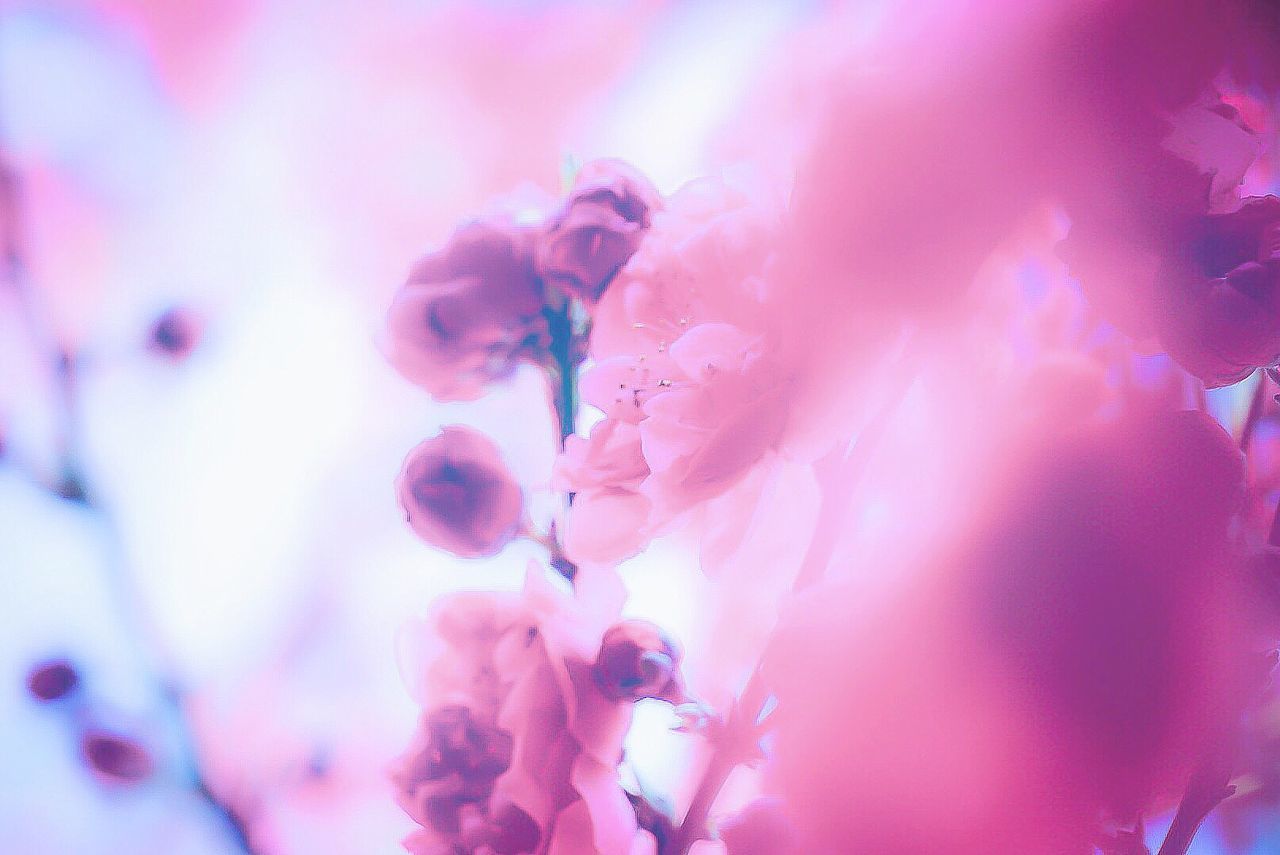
x: 608, y: 520
x: 468, y: 313
x: 454, y: 767
x: 539, y: 739
x: 1159, y: 258
x: 458, y: 495
x: 1228, y: 322
x: 687, y: 372
x: 1080, y: 636
x: 704, y: 259
x: 597, y: 230
x: 716, y: 418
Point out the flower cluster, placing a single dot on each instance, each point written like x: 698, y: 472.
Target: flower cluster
x: 687, y: 371
x: 530, y: 697
x: 1181, y: 257
x: 472, y: 311
x: 990, y: 587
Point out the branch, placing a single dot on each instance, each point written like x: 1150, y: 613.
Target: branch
x: 70, y: 485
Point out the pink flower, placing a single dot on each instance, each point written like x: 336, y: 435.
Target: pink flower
x: 468, y: 313
x: 704, y: 259
x: 1227, y: 322
x: 458, y: 495
x: 608, y: 520
x: 540, y: 741
x: 598, y: 229
x: 690, y: 372
x: 453, y: 766
x: 717, y: 416
x: 1081, y: 637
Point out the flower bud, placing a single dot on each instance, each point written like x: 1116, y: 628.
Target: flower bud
x: 53, y: 680
x: 457, y: 493
x: 115, y: 757
x: 598, y: 230
x: 468, y: 313
x: 636, y: 661
x: 175, y: 334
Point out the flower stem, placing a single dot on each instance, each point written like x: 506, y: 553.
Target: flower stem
x: 566, y: 351
x: 562, y: 372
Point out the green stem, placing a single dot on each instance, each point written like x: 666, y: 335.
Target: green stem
x: 562, y: 372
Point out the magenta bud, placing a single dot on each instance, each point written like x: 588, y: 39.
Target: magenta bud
x: 175, y: 334
x: 637, y: 660
x: 52, y: 680
x: 116, y: 757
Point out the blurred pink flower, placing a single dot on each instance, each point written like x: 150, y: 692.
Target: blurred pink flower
x: 597, y: 230
x: 457, y: 493
x: 468, y: 313
x: 1080, y: 637
x: 451, y: 767
x: 1227, y: 320
x: 523, y: 665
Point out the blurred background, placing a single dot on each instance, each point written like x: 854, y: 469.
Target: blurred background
x: 206, y: 207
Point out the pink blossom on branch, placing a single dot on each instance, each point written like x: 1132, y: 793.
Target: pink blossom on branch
x: 598, y: 228
x: 457, y: 493
x: 524, y: 735
x: 469, y: 313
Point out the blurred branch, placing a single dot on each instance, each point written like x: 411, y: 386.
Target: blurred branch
x: 70, y: 484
